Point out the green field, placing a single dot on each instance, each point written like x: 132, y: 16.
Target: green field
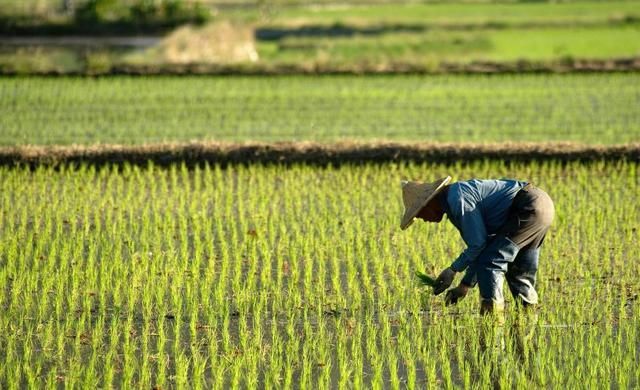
x: 467, y: 13
x: 273, y: 277
x: 328, y: 38
x: 595, y: 109
x: 429, y: 35
x: 435, y: 12
x: 431, y: 49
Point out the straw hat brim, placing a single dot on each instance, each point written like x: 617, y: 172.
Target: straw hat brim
x: 413, y: 210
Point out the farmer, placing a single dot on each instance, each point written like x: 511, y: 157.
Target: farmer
x: 503, y: 222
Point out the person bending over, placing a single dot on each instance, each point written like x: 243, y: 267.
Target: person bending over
x: 503, y: 223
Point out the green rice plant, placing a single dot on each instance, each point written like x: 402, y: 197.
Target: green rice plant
x: 425, y: 279
x: 601, y: 110
x: 270, y: 276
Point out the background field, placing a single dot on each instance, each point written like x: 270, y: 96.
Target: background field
x: 431, y: 49
x: 115, y: 272
x: 452, y: 13
x: 316, y: 37
x: 443, y: 11
x: 582, y: 108
x: 267, y: 276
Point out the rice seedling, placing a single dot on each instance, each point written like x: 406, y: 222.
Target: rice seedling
x: 299, y: 277
x: 588, y: 108
x: 425, y: 279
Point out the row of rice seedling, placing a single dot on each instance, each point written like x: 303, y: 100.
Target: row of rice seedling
x: 590, y: 108
x: 278, y: 277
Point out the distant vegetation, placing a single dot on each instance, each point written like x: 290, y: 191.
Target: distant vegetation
x: 101, y: 16
x: 172, y: 12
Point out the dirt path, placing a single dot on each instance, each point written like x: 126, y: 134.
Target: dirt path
x: 311, y: 153
x: 267, y: 69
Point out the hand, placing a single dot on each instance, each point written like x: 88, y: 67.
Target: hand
x: 456, y: 294
x: 444, y: 280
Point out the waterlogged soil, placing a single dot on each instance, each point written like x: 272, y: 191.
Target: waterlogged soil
x: 508, y: 341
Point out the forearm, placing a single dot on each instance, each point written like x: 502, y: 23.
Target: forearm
x: 466, y: 258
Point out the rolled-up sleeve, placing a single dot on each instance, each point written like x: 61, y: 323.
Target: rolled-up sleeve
x: 469, y: 221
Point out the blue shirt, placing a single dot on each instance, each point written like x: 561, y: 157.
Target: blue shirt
x: 478, y: 208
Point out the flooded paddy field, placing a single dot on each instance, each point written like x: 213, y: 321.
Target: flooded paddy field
x: 272, y: 276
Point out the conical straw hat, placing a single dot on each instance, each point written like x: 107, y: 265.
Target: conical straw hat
x: 416, y: 195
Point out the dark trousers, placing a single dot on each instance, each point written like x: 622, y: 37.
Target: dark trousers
x: 513, y: 253
x: 529, y: 218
